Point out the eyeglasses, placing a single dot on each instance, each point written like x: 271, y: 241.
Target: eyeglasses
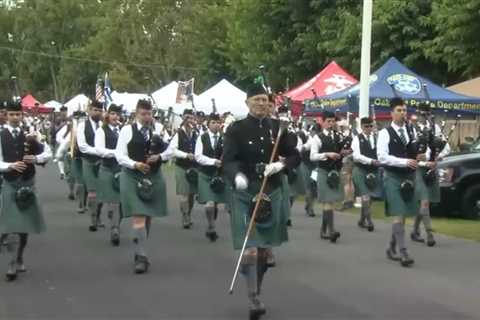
x: 368, y: 125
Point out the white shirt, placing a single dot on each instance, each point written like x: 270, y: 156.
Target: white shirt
x: 173, y: 146
x: 41, y: 158
x: 102, y: 151
x: 121, y: 152
x: 383, y: 151
x: 357, y: 155
x: 81, y: 140
x: 63, y: 147
x: 316, y: 145
x: 199, y: 156
x: 60, y: 133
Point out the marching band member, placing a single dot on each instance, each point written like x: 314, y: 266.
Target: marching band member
x: 365, y: 171
x: 397, y: 152
x: 182, y: 146
x: 108, y: 191
x: 327, y: 150
x: 21, y: 214
x: 208, y: 152
x: 90, y: 159
x: 248, y: 147
x: 143, y: 193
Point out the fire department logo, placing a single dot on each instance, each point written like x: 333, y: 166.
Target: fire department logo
x: 405, y: 83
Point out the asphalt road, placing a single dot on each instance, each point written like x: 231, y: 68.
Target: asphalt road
x: 75, y: 274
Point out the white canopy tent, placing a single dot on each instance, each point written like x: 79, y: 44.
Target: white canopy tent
x: 128, y: 100
x: 228, y: 98
x: 79, y: 102
x: 55, y: 105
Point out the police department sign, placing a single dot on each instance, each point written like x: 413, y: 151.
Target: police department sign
x: 405, y: 83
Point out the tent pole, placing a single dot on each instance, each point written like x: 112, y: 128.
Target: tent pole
x: 365, y: 59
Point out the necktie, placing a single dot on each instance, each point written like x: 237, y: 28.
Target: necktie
x: 96, y: 125
x: 145, y: 133
x: 15, y: 133
x: 115, y: 132
x: 215, y: 141
x: 402, y: 136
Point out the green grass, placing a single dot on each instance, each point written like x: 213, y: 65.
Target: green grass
x: 458, y: 228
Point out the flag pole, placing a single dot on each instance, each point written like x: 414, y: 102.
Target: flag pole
x: 365, y: 59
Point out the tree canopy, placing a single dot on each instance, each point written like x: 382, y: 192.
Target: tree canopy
x: 59, y: 48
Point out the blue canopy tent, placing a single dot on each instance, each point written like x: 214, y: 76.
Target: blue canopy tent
x: 395, y: 79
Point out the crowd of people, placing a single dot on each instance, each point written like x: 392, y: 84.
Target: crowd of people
x: 253, y: 168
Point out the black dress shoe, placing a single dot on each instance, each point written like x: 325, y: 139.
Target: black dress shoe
x: 212, y: 235
x: 405, y: 259
x: 11, y: 274
x: 92, y: 228
x: 370, y: 227
x: 289, y: 222
x: 361, y: 224
x: 334, y: 236
x: 415, y: 236
x: 430, y: 240
x: 71, y: 197
x: 392, y: 255
x: 141, y: 264
x: 115, y: 238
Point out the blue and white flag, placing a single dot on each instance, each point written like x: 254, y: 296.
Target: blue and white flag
x: 107, y: 92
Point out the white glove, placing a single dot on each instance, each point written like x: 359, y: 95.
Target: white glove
x: 272, y: 168
x: 241, y: 182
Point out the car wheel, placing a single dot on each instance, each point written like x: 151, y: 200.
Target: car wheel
x: 471, y: 202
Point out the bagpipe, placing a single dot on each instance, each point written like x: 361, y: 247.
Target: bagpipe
x: 145, y: 185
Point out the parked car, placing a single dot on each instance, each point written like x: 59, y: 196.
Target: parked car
x: 459, y: 177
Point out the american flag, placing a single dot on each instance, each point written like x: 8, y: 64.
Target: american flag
x: 107, y: 91
x: 99, y: 91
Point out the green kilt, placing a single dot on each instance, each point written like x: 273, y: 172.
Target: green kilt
x: 183, y: 187
x: 205, y: 193
x: 298, y: 186
x: 324, y: 192
x: 105, y: 190
x: 359, y: 177
x: 130, y: 201
x: 394, y: 203
x: 269, y: 234
x: 14, y: 220
x: 67, y: 160
x: 286, y: 192
x: 90, y: 174
x: 228, y: 194
x: 424, y: 192
x: 77, y: 170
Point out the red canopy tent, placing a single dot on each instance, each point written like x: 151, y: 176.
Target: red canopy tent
x: 331, y: 79
x: 28, y: 105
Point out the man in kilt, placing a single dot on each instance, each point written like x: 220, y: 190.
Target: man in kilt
x: 248, y: 147
x: 90, y: 159
x: 208, y: 154
x: 108, y: 191
x: 143, y: 193
x: 20, y: 213
x: 182, y: 146
x: 63, y: 157
x: 327, y: 150
x: 397, y: 152
x: 366, y: 177
x: 305, y: 168
x: 431, y: 147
